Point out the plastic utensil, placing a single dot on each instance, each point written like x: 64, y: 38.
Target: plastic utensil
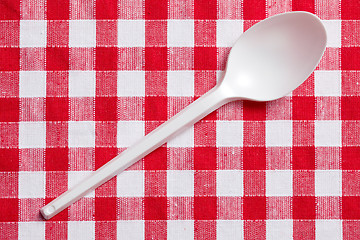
x: 267, y: 62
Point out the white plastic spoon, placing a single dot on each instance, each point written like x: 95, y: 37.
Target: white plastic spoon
x: 267, y: 62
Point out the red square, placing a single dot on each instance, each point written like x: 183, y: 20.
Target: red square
x: 155, y: 33
x: 105, y: 32
x: 254, y: 10
x: 350, y: 9
x: 155, y: 108
x: 9, y: 209
x: 9, y: 182
x: 105, y: 134
x: 350, y: 108
x: 255, y: 229
x: 9, y: 33
x: 105, y: 208
x: 205, y: 208
x: 303, y: 158
x: 350, y: 58
x: 103, y: 155
x: 9, y: 10
x: 350, y: 207
x: 10, y: 159
x: 254, y: 133
x: 9, y: 109
x: 254, y: 208
x: 155, y: 58
x: 303, y: 5
x: 106, y: 58
x: 155, y: 208
x: 157, y: 160
x: 105, y: 108
x: 205, y: 33
x: 9, y: 59
x: 56, y: 184
x: 350, y: 158
x: 57, y: 159
x: 57, y: 58
x: 58, y: 9
x: 62, y: 216
x: 254, y: 158
x: 205, y: 134
x: 254, y: 111
x: 57, y: 33
x: 351, y: 229
x: 106, y: 9
x: 57, y: 109
x: 205, y: 158
x: 349, y: 86
x: 58, y: 229
x: 205, y: 58
x: 205, y: 9
x: 303, y: 108
x: 304, y: 207
x: 156, y: 9
x: 155, y: 230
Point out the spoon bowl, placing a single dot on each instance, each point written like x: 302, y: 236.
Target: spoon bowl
x: 267, y: 62
x: 275, y: 56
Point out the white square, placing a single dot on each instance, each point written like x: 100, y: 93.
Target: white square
x: 327, y: 83
x: 228, y: 31
x: 180, y: 83
x: 131, y: 33
x: 328, y: 229
x: 328, y: 183
x: 229, y: 229
x: 128, y: 132
x: 82, y: 83
x: 82, y: 134
x: 278, y: 183
x: 31, y: 230
x: 130, y: 230
x: 81, y: 230
x: 229, y: 183
x: 180, y: 230
x: 75, y: 177
x: 229, y: 133
x: 130, y: 184
x: 32, y: 134
x: 327, y: 133
x: 131, y: 83
x: 180, y: 33
x: 279, y: 229
x: 279, y: 133
x: 32, y: 33
x: 31, y: 184
x: 183, y: 139
x: 82, y: 33
x: 180, y: 183
x: 333, y: 32
x: 32, y: 83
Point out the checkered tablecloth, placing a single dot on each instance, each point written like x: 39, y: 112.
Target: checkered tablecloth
x: 80, y: 81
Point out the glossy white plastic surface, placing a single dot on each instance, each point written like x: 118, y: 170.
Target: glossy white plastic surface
x: 267, y: 62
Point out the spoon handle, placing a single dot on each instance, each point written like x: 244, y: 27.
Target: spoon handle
x: 206, y: 104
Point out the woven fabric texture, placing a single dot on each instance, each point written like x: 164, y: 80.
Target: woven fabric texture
x: 80, y: 81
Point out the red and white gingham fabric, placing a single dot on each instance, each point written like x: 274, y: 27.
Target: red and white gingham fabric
x: 80, y: 81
